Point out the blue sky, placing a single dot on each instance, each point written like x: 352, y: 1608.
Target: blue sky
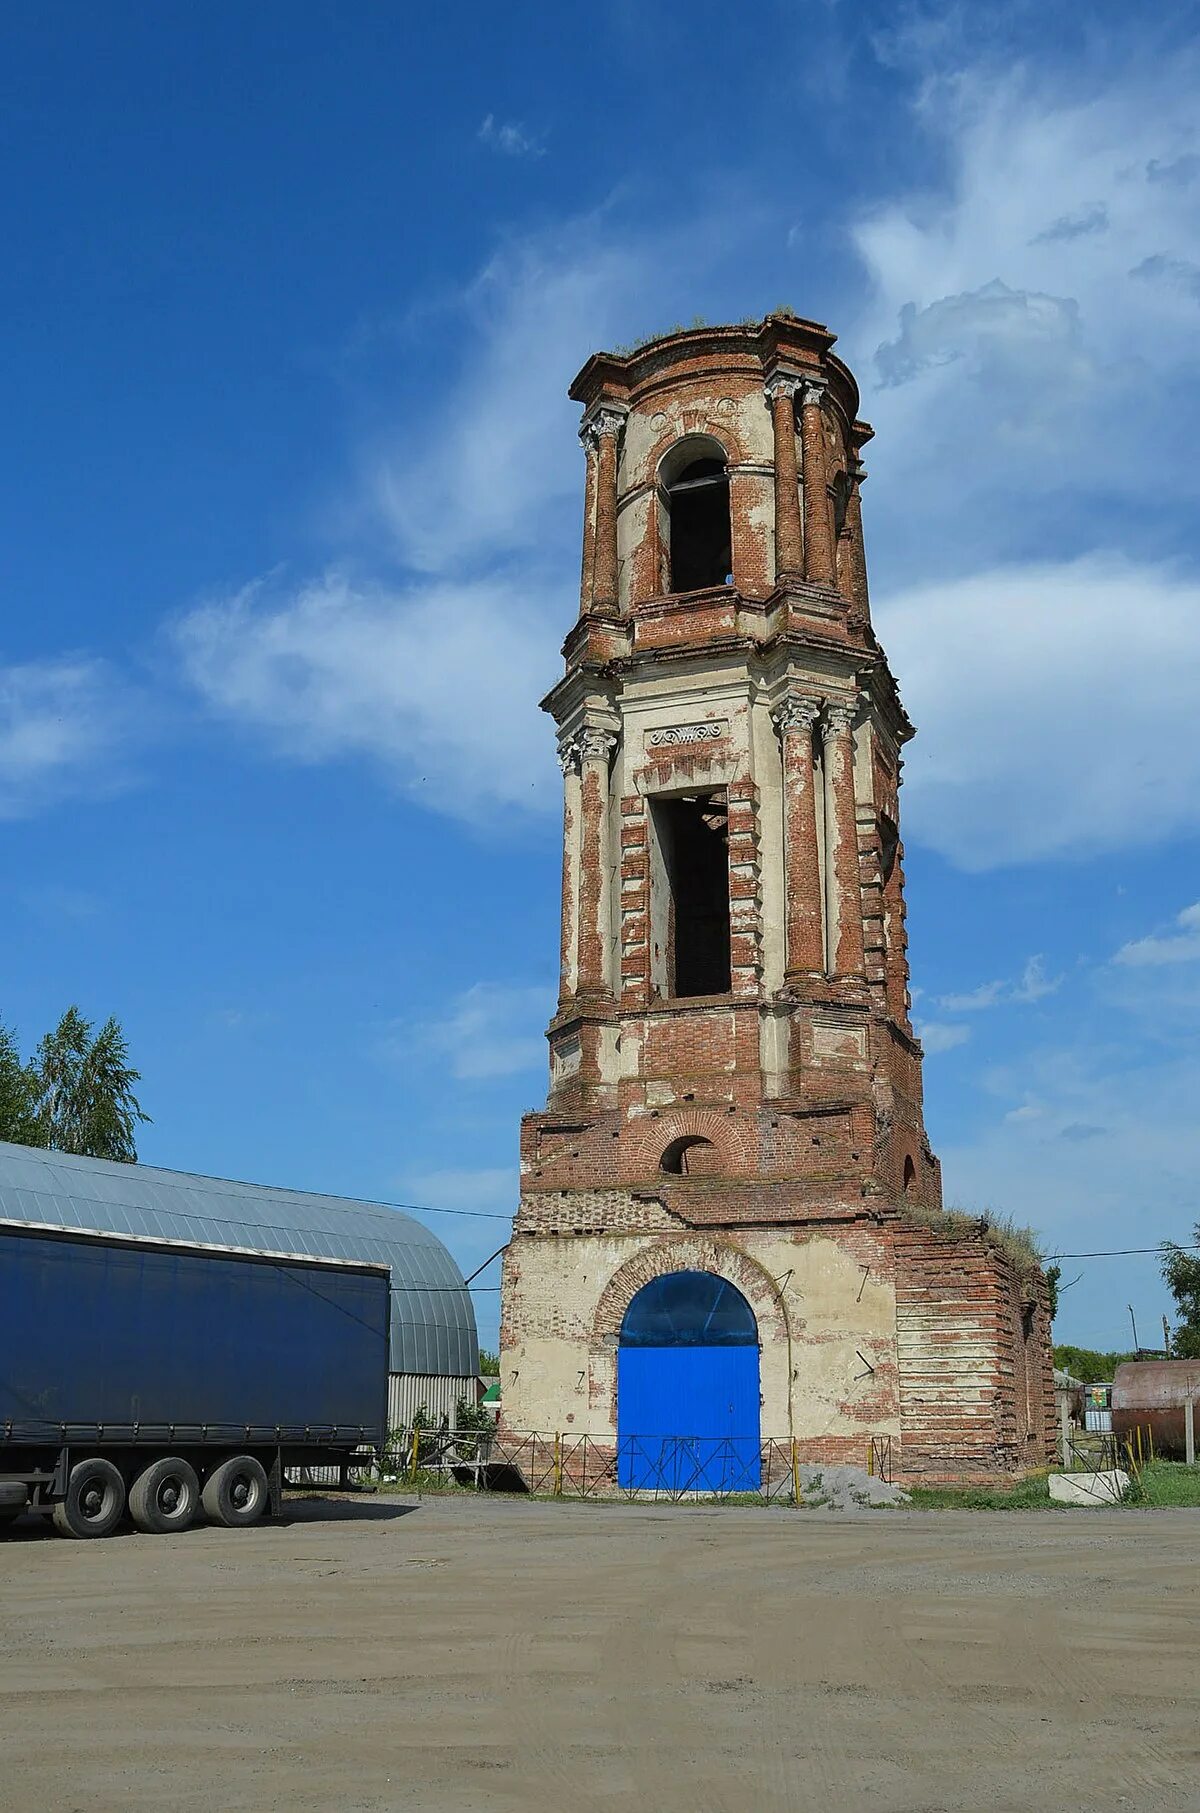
x: 291, y: 495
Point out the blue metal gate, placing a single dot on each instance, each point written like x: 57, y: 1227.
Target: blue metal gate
x: 688, y: 1388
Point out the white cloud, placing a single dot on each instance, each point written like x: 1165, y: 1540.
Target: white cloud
x: 436, y: 680
x: 1178, y: 171
x: 1041, y: 294
x: 490, y: 1030
x: 435, y: 684
x: 987, y: 995
x: 1056, y: 195
x: 1032, y: 985
x: 1096, y: 1153
x: 495, y: 465
x: 1039, y: 736
x: 64, y: 726
x: 1182, y: 273
x: 1180, y: 946
x: 989, y: 328
x: 509, y: 137
x: 940, y: 1035
x: 1074, y: 226
x: 1035, y: 984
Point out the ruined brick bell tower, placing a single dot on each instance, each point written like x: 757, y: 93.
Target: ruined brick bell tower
x: 734, y: 1137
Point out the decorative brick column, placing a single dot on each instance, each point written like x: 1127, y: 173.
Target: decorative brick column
x: 635, y: 903
x: 795, y: 719
x: 845, y: 919
x: 781, y: 389
x: 595, y: 747
x: 745, y: 895
x: 818, y: 534
x: 587, y: 577
x: 606, y: 425
x: 856, y: 586
x: 569, y: 762
x: 896, y: 943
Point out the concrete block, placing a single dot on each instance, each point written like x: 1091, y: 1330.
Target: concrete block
x: 1104, y: 1488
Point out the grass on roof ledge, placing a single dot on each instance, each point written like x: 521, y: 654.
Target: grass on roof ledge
x: 697, y: 323
x: 1017, y: 1242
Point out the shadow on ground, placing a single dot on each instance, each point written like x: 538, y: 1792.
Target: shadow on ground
x: 295, y: 1511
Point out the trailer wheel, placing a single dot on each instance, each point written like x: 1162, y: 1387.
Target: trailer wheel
x: 165, y: 1496
x: 235, y: 1493
x: 94, y: 1502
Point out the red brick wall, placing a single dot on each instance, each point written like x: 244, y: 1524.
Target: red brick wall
x: 973, y: 1391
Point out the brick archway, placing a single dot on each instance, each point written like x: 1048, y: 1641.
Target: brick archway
x: 647, y: 1139
x: 692, y: 1253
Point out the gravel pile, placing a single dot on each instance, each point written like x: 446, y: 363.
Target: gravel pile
x: 847, y: 1489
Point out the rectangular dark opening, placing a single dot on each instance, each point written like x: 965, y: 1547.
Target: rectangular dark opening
x: 693, y: 839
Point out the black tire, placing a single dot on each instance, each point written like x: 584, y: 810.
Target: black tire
x: 235, y: 1493
x: 95, y: 1500
x: 165, y: 1496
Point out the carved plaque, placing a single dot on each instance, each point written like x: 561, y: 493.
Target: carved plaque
x: 688, y: 733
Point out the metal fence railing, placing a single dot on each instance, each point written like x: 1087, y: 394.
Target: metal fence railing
x: 1099, y: 1451
x: 584, y: 1466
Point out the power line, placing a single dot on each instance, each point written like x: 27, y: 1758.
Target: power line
x: 1128, y: 1252
x: 428, y: 1208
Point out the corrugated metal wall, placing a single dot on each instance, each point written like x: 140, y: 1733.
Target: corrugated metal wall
x: 434, y: 1392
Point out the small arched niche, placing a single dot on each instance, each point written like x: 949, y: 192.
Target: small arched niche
x: 910, y: 1177
x: 689, y: 1156
x: 693, y: 504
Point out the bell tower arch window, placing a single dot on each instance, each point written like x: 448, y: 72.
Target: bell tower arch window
x: 694, y: 526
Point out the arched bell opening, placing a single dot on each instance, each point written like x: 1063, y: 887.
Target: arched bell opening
x: 695, y: 535
x: 688, y: 1387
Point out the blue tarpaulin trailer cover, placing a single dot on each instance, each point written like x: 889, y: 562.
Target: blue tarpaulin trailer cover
x: 115, y: 1339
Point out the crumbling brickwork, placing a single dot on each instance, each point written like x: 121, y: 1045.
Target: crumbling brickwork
x: 734, y: 1081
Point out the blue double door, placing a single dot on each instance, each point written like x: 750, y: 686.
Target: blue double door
x: 688, y: 1388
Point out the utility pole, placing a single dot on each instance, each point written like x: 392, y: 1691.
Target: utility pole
x: 1136, y: 1348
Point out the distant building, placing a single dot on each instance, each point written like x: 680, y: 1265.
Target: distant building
x: 1152, y: 1395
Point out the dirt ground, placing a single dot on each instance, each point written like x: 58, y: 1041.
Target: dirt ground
x: 482, y: 1656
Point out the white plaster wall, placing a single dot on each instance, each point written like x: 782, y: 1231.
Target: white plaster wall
x: 633, y: 525
x: 556, y: 1378
x: 752, y: 414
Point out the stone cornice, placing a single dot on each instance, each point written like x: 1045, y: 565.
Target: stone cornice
x: 747, y: 349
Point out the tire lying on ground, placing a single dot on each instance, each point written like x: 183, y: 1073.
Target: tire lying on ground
x: 235, y: 1493
x: 94, y: 1502
x: 165, y: 1496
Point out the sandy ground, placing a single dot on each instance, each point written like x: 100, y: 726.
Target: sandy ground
x: 490, y: 1655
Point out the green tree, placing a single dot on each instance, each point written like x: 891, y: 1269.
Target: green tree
x: 489, y: 1363
x: 18, y: 1094
x: 77, y: 1093
x: 1053, y: 1275
x: 1087, y: 1364
x: 1181, y: 1272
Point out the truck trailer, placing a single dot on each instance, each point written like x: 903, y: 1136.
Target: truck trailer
x: 164, y: 1380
